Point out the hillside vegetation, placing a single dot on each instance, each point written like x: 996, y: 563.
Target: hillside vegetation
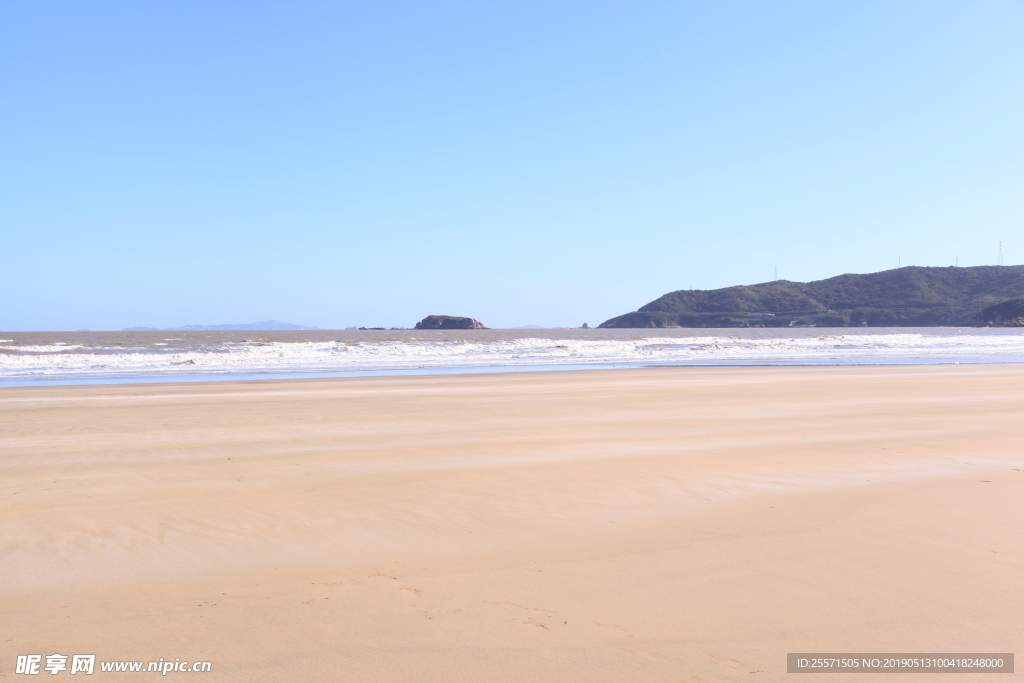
x: 911, y: 296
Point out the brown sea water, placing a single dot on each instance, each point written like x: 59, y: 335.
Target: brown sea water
x: 28, y: 357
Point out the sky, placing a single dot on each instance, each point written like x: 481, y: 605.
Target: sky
x: 551, y: 163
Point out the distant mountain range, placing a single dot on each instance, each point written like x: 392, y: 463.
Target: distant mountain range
x: 911, y: 296
x: 262, y: 325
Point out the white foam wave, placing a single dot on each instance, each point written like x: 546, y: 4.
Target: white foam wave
x: 47, y: 348
x: 333, y: 356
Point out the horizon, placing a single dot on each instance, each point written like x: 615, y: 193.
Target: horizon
x: 409, y: 326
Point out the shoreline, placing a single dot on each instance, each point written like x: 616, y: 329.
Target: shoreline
x: 155, y: 378
x: 28, y: 359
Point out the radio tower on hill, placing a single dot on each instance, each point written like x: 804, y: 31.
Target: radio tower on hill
x: 1000, y: 254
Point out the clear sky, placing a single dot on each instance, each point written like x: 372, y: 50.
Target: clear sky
x: 551, y: 163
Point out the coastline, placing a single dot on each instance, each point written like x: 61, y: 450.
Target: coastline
x: 686, y: 523
x: 40, y: 359
x: 8, y: 382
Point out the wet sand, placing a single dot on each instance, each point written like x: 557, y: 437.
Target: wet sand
x: 623, y: 525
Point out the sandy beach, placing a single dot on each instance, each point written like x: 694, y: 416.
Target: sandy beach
x: 621, y: 525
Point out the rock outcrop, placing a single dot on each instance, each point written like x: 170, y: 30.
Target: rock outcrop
x: 449, y: 322
x: 1007, y: 314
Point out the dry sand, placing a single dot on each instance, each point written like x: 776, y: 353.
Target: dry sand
x: 626, y: 525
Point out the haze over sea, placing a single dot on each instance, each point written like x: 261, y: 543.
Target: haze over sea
x: 28, y: 358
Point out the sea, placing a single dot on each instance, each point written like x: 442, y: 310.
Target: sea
x: 55, y: 358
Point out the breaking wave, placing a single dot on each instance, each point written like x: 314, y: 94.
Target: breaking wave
x: 339, y: 355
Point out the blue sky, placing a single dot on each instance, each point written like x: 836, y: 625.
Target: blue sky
x: 552, y: 163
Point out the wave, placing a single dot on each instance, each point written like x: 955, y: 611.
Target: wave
x: 341, y: 356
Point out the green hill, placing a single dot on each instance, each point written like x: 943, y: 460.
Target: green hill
x: 911, y: 296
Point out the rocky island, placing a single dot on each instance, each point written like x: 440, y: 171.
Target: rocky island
x: 449, y: 322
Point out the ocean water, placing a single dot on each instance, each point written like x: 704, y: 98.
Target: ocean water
x: 28, y: 358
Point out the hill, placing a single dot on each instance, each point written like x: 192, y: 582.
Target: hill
x: 910, y: 296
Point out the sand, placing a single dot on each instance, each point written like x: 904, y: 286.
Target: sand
x: 622, y: 525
